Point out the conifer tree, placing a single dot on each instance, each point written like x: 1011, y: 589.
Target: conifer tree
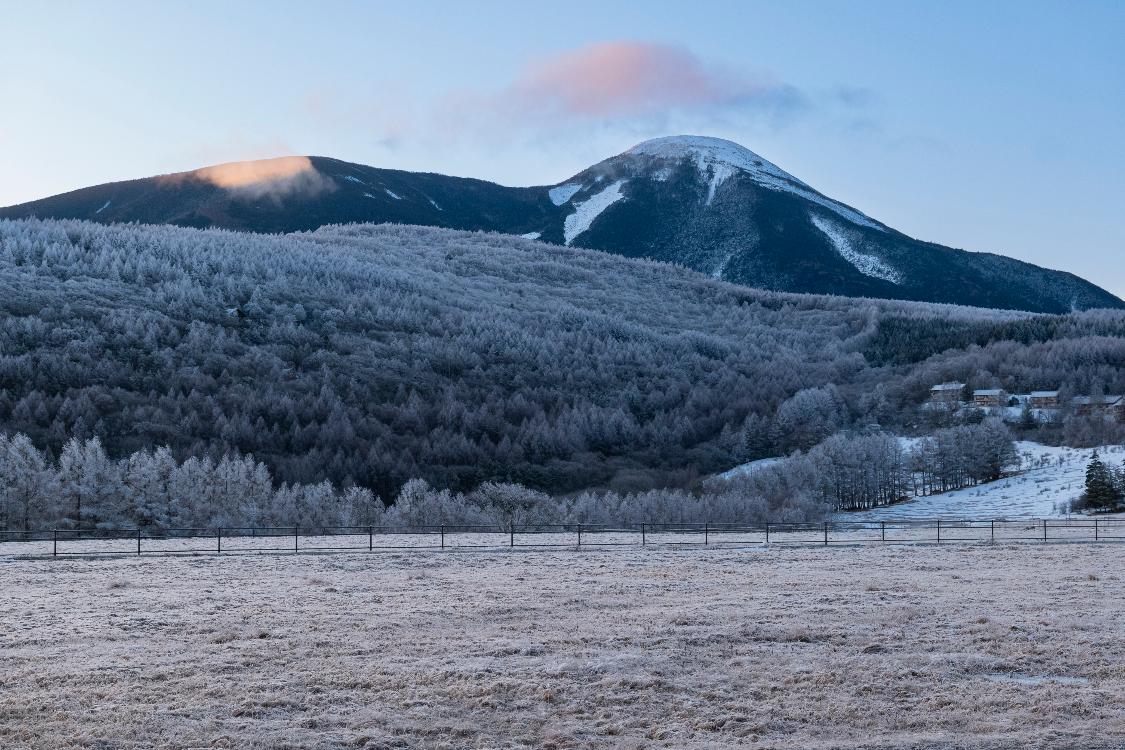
x: 1101, y: 489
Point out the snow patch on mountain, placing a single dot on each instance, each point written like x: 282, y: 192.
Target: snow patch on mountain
x: 720, y: 173
x: 718, y: 160
x: 868, y: 265
x: 561, y: 194
x: 104, y: 206
x: 434, y: 204
x: 349, y: 178
x: 589, y: 209
x: 531, y: 235
x: 722, y: 267
x: 392, y: 193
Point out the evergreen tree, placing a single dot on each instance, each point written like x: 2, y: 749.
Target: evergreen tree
x: 1101, y: 489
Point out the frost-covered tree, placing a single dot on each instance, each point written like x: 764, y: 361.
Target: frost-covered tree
x: 26, y: 485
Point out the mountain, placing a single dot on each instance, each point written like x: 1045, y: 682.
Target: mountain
x: 704, y: 203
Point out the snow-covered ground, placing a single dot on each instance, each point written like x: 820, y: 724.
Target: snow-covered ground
x: 563, y: 193
x: 588, y: 210
x: 869, y: 265
x: 999, y: 646
x: 1049, y: 479
x: 746, y: 469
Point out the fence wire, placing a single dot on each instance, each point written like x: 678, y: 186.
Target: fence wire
x: 262, y: 540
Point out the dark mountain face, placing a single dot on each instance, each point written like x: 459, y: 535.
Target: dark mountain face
x: 297, y: 194
x: 704, y: 203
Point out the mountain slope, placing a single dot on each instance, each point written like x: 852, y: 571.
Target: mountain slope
x: 721, y: 209
x: 704, y: 203
x: 299, y: 193
x: 373, y: 354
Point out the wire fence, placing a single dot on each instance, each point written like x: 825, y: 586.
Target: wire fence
x: 250, y: 540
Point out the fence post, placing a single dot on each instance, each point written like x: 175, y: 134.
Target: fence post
x: 579, y: 535
x: 138, y: 540
x: 706, y: 533
x: 219, y: 538
x: 825, y: 533
x: 370, y: 538
x: 55, y: 543
x: 294, y: 538
x: 442, y: 530
x: 767, y: 532
x: 939, y: 531
x: 992, y: 530
x: 1095, y: 529
x: 1044, y: 529
x: 642, y: 535
x: 512, y: 534
x: 883, y: 531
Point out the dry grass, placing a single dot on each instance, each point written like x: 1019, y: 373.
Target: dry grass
x: 923, y: 647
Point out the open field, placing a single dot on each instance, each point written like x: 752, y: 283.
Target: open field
x: 991, y: 646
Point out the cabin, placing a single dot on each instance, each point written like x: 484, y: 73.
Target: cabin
x: 1094, y: 405
x: 1043, y: 399
x: 947, y: 393
x: 990, y: 397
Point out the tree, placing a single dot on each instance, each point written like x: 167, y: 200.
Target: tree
x: 25, y: 484
x: 807, y: 418
x: 1102, y: 492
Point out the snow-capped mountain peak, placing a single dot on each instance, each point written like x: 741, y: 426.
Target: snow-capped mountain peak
x: 718, y: 160
x: 708, y: 153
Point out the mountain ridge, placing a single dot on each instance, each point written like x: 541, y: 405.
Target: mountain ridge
x: 706, y: 203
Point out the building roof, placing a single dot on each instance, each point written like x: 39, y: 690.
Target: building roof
x: 1090, y: 400
x: 1044, y: 394
x: 948, y: 387
x: 989, y: 392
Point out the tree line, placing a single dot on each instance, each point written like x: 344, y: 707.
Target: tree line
x: 87, y: 489
x: 855, y: 471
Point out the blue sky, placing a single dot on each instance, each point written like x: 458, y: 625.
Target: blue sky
x: 989, y: 126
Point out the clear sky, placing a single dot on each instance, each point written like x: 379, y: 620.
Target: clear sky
x: 989, y: 126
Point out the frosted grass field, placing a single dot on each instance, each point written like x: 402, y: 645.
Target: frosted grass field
x: 983, y: 646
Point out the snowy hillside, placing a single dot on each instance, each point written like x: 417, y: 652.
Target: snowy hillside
x: 1050, y: 478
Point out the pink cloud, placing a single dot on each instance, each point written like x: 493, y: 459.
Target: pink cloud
x: 627, y: 78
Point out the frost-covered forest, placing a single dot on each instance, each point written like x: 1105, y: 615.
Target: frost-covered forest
x: 369, y: 356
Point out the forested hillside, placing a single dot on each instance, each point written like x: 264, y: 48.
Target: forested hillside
x: 370, y: 355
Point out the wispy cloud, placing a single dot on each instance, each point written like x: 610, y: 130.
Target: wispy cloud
x: 579, y: 104
x: 273, y: 178
x: 631, y: 79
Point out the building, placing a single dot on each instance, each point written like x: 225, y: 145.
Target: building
x: 1043, y: 399
x: 947, y: 393
x: 1104, y: 405
x: 990, y: 397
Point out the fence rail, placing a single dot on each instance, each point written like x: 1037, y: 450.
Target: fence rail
x: 290, y: 539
